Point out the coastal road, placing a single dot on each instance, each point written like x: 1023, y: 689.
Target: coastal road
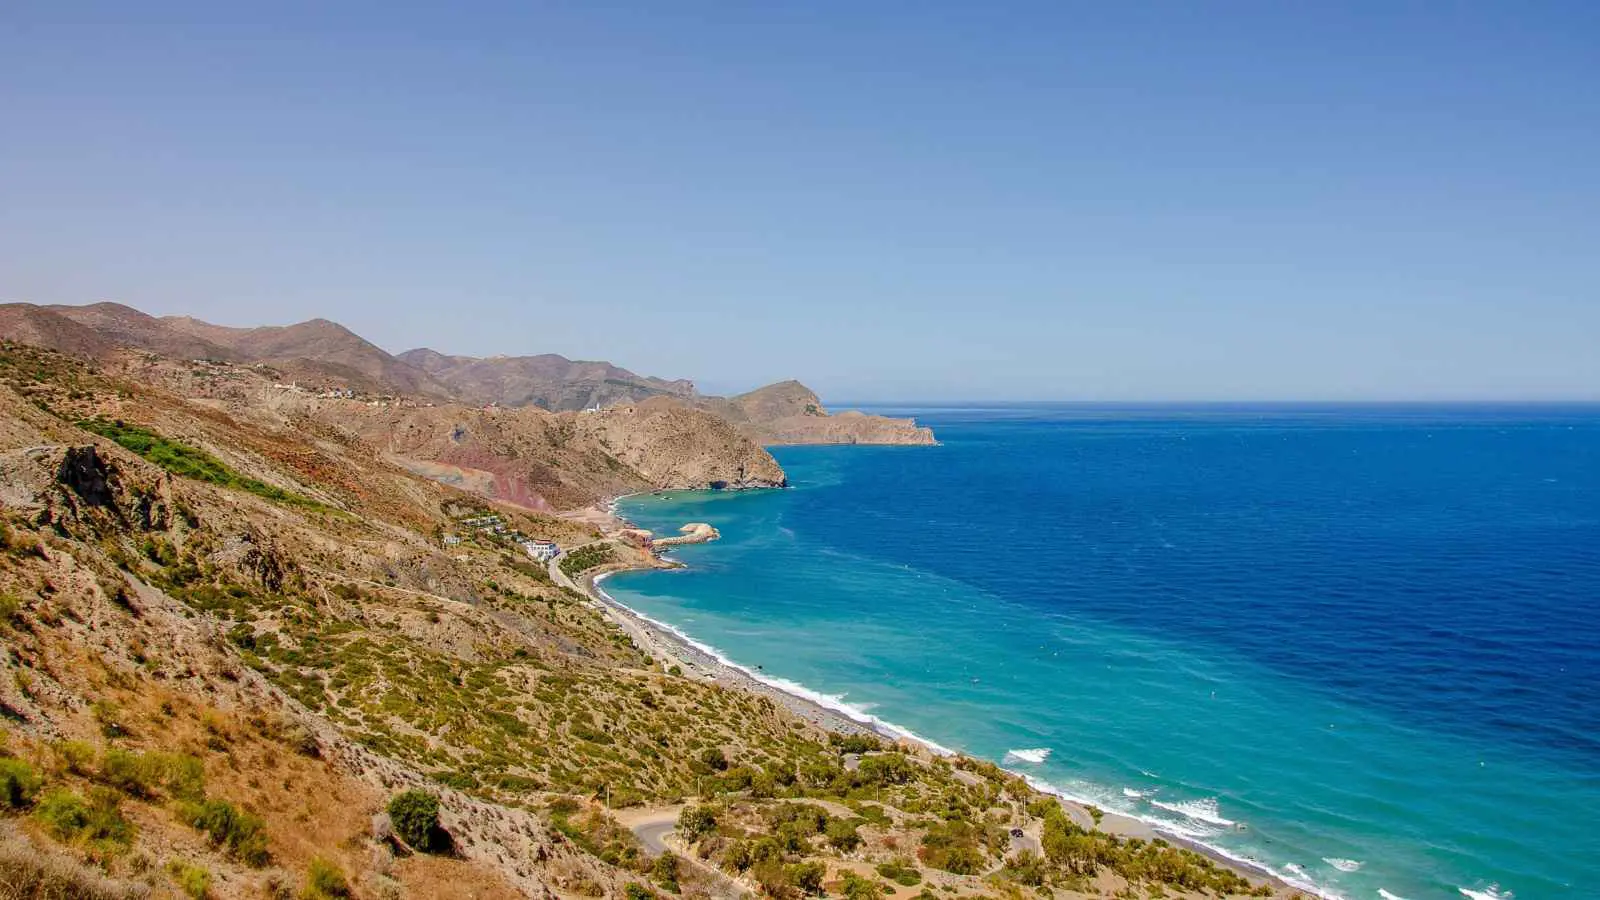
x: 654, y: 826
x: 654, y: 836
x: 560, y: 577
x: 651, y: 825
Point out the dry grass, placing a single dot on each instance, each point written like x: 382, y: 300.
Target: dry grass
x: 29, y: 872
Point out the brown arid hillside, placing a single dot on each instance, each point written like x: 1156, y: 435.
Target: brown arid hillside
x: 246, y: 652
x: 790, y: 413
x: 547, y: 381
x: 320, y: 356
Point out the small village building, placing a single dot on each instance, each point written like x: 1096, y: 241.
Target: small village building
x: 543, y: 551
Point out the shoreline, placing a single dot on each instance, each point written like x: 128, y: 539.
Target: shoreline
x: 666, y: 642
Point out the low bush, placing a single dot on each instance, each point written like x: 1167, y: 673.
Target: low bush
x: 901, y: 873
x: 325, y: 881
x: 19, y: 784
x: 953, y: 847
x: 855, y: 887
x: 98, y: 820
x: 842, y: 834
x: 695, y: 822
x: 415, y: 815
x: 193, y: 880
x: 242, y: 835
x: 665, y: 871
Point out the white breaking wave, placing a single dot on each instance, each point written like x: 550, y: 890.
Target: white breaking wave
x: 1035, y: 756
x: 1492, y: 892
x: 1132, y: 794
x: 1293, y: 874
x: 1388, y: 896
x: 827, y: 701
x: 1200, y: 810
x: 1343, y: 865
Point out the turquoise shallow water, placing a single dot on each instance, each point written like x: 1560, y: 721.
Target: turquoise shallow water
x: 1357, y: 645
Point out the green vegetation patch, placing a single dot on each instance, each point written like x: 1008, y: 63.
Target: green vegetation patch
x: 190, y: 462
x: 415, y: 815
x: 586, y: 558
x: 241, y: 834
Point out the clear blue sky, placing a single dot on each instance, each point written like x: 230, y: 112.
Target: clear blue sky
x: 896, y: 201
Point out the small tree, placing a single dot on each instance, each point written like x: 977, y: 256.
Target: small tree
x: 842, y: 834
x: 18, y: 783
x: 695, y: 822
x: 665, y: 871
x: 713, y: 759
x: 807, y: 876
x: 415, y: 815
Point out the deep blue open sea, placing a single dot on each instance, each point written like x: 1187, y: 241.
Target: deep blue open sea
x: 1360, y: 645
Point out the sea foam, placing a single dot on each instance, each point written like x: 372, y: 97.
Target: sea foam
x: 833, y: 702
x: 1343, y: 865
x: 1199, y: 810
x: 1035, y: 756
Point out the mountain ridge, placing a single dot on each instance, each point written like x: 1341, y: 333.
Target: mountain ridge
x: 326, y: 355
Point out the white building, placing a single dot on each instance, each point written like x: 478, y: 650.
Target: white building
x: 543, y: 551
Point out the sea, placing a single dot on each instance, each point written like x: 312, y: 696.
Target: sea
x: 1357, y: 646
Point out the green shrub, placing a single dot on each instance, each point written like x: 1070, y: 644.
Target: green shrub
x: 324, y: 881
x: 714, y: 759
x: 1028, y: 868
x: 695, y: 822
x: 854, y: 743
x: 415, y: 815
x: 194, y: 881
x: 806, y: 876
x: 68, y: 817
x: 75, y: 757
x: 857, y: 888
x: 63, y: 813
x: 888, y: 768
x: 124, y: 770
x: 636, y: 891
x: 142, y: 774
x: 19, y: 784
x: 841, y: 833
x: 241, y: 834
x: 953, y: 847
x: 900, y: 873
x: 665, y: 871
